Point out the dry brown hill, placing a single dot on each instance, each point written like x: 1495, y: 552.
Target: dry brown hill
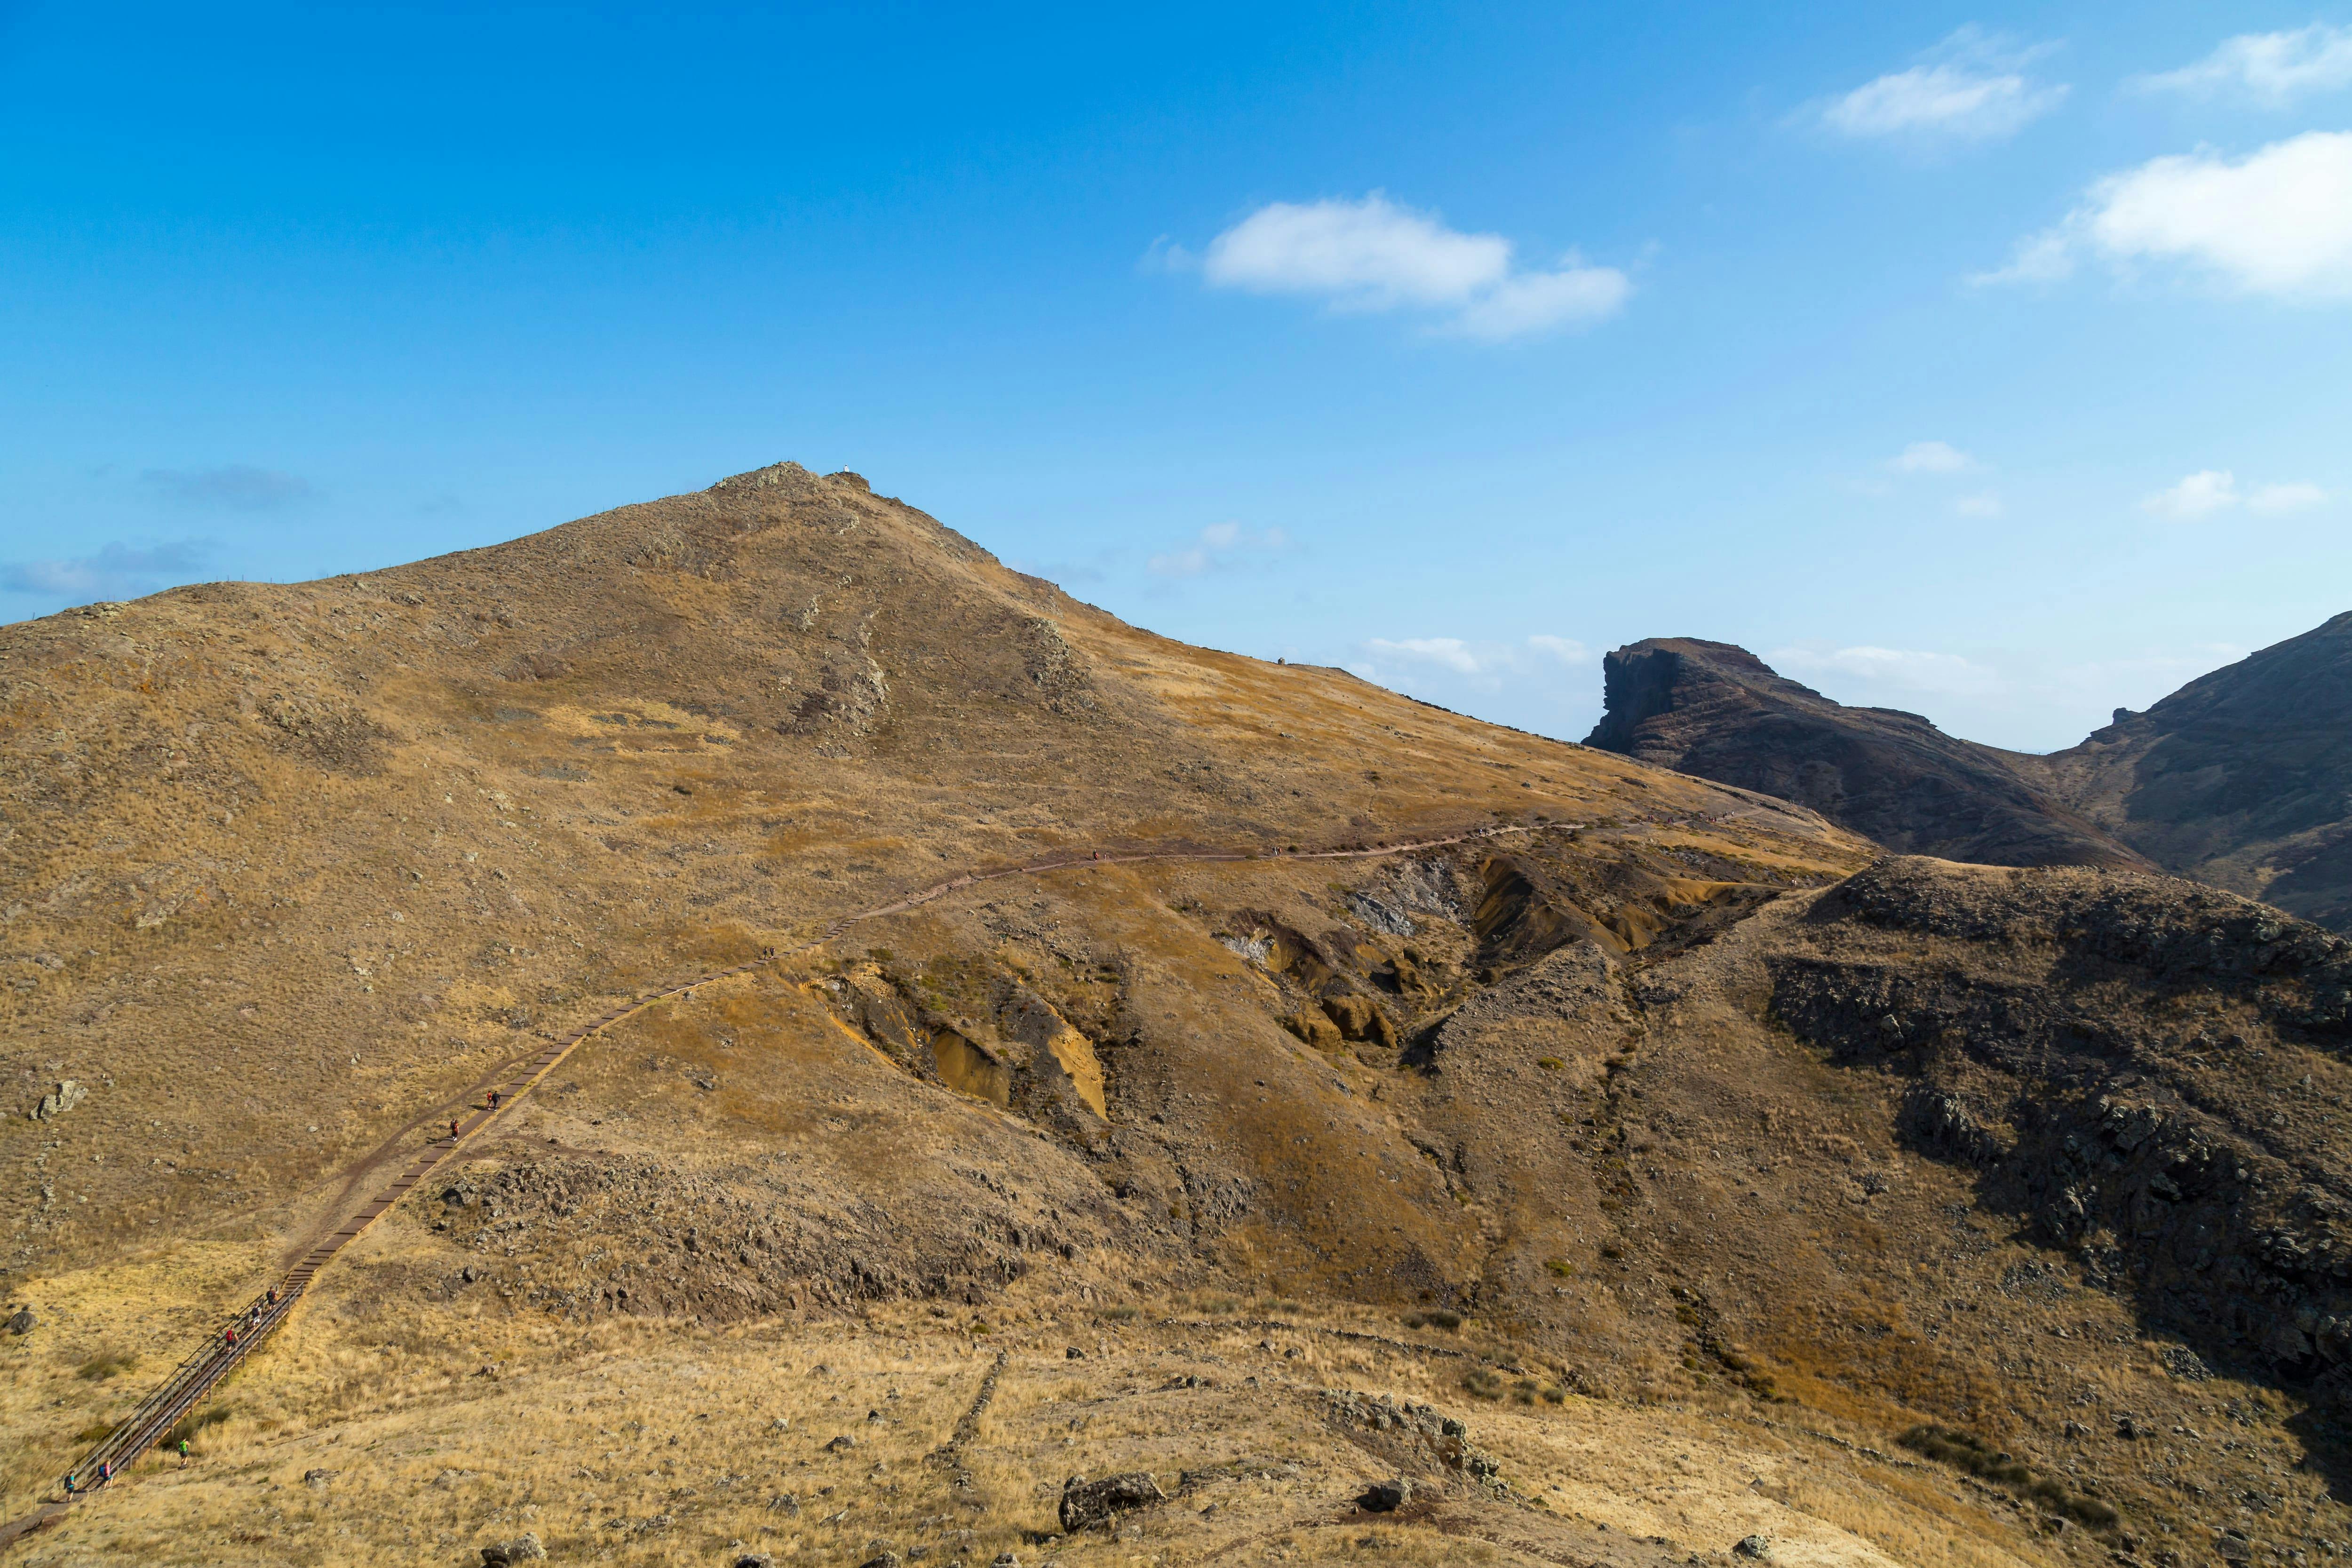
x: 1659, y: 1172
x: 2243, y: 778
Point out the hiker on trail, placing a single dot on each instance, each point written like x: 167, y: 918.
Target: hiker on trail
x: 183, y: 1453
x: 453, y: 1132
x: 494, y: 1099
x: 230, y: 1333
x: 106, y: 1472
x: 70, y: 1486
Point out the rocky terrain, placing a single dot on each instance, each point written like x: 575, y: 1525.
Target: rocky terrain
x: 2240, y: 779
x: 1720, y: 713
x: 1666, y: 1174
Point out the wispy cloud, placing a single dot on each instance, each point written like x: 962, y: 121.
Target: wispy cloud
x: 1374, y: 255
x: 2273, y: 69
x: 1895, y: 668
x: 2211, y: 490
x: 1217, y: 547
x: 1984, y: 503
x: 116, y: 571
x: 1488, y: 663
x: 236, y: 487
x: 2277, y: 222
x: 1972, y: 87
x: 1930, y: 458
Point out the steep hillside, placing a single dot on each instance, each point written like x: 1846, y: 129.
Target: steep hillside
x: 2243, y: 778
x: 1720, y: 713
x: 1646, y: 1166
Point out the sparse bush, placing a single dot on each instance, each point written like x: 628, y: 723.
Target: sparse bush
x: 1966, y: 1451
x: 106, y: 1364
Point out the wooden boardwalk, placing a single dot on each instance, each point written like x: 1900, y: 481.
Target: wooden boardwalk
x: 227, y: 1349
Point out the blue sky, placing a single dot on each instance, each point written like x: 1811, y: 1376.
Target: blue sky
x: 1994, y: 363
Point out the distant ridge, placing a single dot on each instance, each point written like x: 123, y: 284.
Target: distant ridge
x: 2242, y: 779
x: 1718, y: 711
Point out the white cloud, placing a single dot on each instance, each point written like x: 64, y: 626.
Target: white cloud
x: 2286, y: 498
x: 1215, y: 549
x: 2204, y: 493
x: 1905, y: 669
x: 2277, y: 222
x: 1488, y: 664
x: 2211, y: 490
x: 1983, y: 504
x: 1972, y: 88
x: 1531, y: 302
x: 1451, y: 652
x: 2046, y: 257
x: 1373, y: 255
x: 2274, y: 68
x: 1930, y: 458
x: 1179, y: 562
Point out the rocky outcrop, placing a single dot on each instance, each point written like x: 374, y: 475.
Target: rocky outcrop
x: 1086, y: 1504
x: 2182, y: 1151
x: 2243, y: 778
x: 1720, y: 713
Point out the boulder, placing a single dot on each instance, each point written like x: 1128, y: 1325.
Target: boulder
x: 69, y: 1095
x: 755, y: 1560
x: 22, y: 1321
x: 1386, y: 1496
x: 1086, y: 1503
x: 1755, y: 1548
x: 524, y: 1548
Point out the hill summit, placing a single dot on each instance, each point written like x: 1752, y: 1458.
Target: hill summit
x: 1071, y: 1091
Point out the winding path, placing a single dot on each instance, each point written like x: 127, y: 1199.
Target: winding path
x: 172, y: 1402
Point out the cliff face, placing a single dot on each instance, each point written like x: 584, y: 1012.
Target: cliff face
x: 2243, y: 778
x: 1720, y: 713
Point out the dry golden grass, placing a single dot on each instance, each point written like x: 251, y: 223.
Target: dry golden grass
x: 633, y: 1441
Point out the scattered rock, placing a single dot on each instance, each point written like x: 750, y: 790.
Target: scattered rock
x: 316, y: 1478
x: 1004, y: 1560
x: 1086, y: 1503
x: 1753, y: 1547
x: 1386, y: 1496
x: 1074, y: 1353
x: 881, y: 1560
x: 840, y: 1443
x: 69, y: 1095
x: 525, y: 1548
x: 755, y: 1560
x: 22, y: 1322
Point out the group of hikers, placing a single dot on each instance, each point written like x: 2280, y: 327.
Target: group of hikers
x: 491, y: 1103
x: 248, y: 1320
x: 249, y: 1323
